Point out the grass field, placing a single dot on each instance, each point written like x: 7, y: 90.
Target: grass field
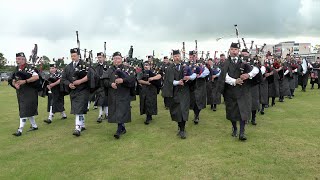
x: 284, y: 145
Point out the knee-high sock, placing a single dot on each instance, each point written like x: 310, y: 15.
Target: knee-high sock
x: 33, y: 121
x: 82, y: 119
x: 106, y: 110
x: 242, y: 126
x: 22, y: 123
x: 100, y: 111
x: 63, y: 114
x: 50, y: 114
x: 78, y: 122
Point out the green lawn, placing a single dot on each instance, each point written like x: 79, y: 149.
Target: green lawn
x: 284, y: 145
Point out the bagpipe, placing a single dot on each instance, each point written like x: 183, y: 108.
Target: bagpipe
x: 150, y: 73
x: 52, y: 78
x: 314, y: 75
x: 24, y: 74
x: 80, y: 71
x: 198, y: 68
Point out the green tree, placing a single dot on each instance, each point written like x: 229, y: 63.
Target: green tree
x: 45, y: 62
x: 3, y: 60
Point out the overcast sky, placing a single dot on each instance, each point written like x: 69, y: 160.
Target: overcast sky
x: 159, y: 25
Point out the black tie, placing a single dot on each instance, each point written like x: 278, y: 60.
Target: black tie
x: 178, y: 67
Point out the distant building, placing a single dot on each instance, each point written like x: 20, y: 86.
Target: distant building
x: 311, y: 57
x: 291, y: 47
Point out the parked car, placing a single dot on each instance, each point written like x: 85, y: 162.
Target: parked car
x: 4, y: 76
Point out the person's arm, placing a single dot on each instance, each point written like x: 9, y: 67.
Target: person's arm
x: 33, y: 78
x: 55, y: 83
x: 193, y: 76
x: 143, y: 82
x: 263, y: 70
x: 81, y: 81
x: 253, y: 72
x: 176, y: 83
x: 205, y: 73
x: 157, y: 77
x: 229, y: 80
x: 286, y: 72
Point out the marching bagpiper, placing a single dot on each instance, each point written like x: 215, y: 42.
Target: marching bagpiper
x: 119, y: 84
x: 176, y: 88
x: 150, y: 84
x: 25, y: 80
x: 236, y: 90
x: 101, y: 98
x: 75, y: 76
x: 55, y: 94
x: 198, y: 94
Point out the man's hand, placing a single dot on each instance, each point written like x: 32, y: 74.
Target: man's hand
x: 114, y: 85
x: 77, y: 82
x: 186, y: 78
x: 17, y: 86
x: 119, y: 81
x: 239, y: 81
x: 213, y: 77
x: 181, y: 83
x: 21, y: 82
x: 150, y: 79
x: 49, y: 86
x: 267, y: 74
x: 148, y: 83
x: 72, y: 86
x: 244, y: 76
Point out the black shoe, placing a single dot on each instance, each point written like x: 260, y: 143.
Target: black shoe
x: 214, y: 109
x: 234, y: 133
x: 48, y: 121
x: 242, y: 137
x: 166, y: 108
x: 18, y: 133
x: 123, y: 130
x: 76, y: 133
x: 83, y: 129
x: 99, y: 120
x: 33, y: 129
x: 196, y: 120
x: 117, y: 135
x: 292, y: 95
x: 147, y: 122
x: 64, y: 117
x: 182, y: 135
x: 262, y: 112
x: 253, y: 123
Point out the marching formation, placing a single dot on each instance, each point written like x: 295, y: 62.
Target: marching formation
x: 247, y: 84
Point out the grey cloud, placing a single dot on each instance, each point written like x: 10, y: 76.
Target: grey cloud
x: 167, y: 20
